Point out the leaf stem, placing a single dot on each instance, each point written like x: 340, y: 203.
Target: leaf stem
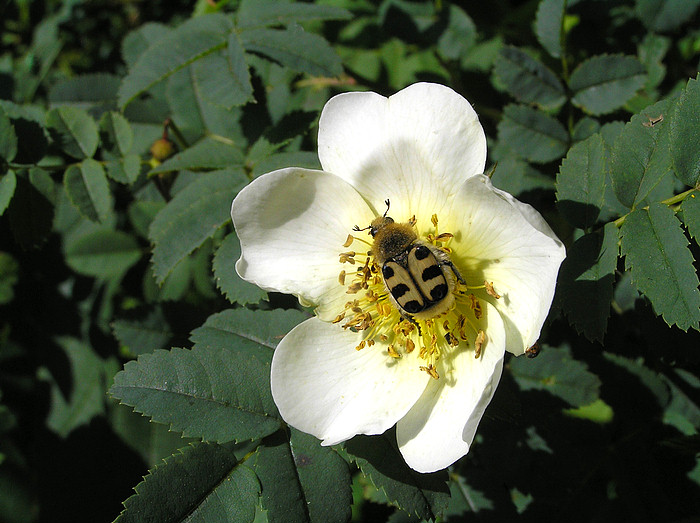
x: 668, y: 201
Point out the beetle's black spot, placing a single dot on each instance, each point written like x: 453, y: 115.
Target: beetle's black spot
x: 387, y: 272
x: 399, y: 290
x: 431, y: 272
x: 412, y: 307
x: 422, y: 252
x: 438, y: 292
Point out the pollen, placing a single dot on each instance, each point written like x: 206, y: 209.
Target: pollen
x: 374, y: 313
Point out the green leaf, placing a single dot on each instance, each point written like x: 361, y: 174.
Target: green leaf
x: 690, y: 211
x: 192, y: 216
x: 533, y: 134
x: 604, y: 83
x: 581, y: 182
x: 554, y: 370
x: 459, y: 36
x: 214, y: 393
x: 88, y: 189
x: 103, y: 253
x: 85, y: 397
x: 304, y: 52
x: 549, y: 21
x: 656, y: 254
x: 423, y: 495
x: 685, y: 134
x: 196, y: 38
x: 232, y: 286
x: 9, y: 275
x: 205, y: 154
x: 249, y: 331
x: 640, y: 158
x: 142, y: 213
x: 143, y: 336
x: 223, y: 78
x: 116, y: 134
x: 585, y: 282
x: 8, y: 183
x: 202, y: 482
x: 259, y: 13
x: 8, y: 140
x: 527, y: 79
x: 124, y: 170
x: 74, y: 131
x: 302, y: 481
x: 140, y: 39
x: 87, y: 91
x: 665, y: 15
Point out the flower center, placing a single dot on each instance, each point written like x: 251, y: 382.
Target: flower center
x: 414, y: 302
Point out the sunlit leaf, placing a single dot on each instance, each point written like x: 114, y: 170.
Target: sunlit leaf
x: 604, y: 83
x: 192, y: 216
x: 205, y: 154
x: 233, y: 287
x: 691, y: 214
x: 527, y: 79
x: 581, y: 182
x: 261, y: 13
x: 640, y: 157
x: 74, y: 131
x: 294, y: 48
x: 685, y: 134
x: 656, y: 253
x: 201, y: 482
x: 88, y: 189
x: 533, y: 134
x: 104, y: 253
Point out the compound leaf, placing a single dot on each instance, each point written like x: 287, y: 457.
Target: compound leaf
x: 685, y: 135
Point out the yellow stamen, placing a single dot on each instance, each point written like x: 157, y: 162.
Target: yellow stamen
x: 489, y: 289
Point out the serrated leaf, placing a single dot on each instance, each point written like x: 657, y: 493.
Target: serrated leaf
x: 223, y: 78
x: 423, y: 495
x: 302, y: 481
x: 459, y: 36
x: 209, y: 393
x: 88, y: 189
x: 8, y: 183
x: 548, y: 25
x: 202, y: 482
x: 85, y: 397
x: 8, y: 140
x: 690, y: 211
x: 232, y: 286
x: 581, y: 182
x: 205, y: 154
x: 74, y: 131
x: 528, y: 80
x: 665, y: 15
x: 103, y: 253
x: 685, y: 134
x: 124, y: 170
x: 258, y: 13
x: 604, y: 83
x: 304, y: 52
x: 196, y: 38
x: 656, y: 254
x: 144, y: 335
x: 585, y: 282
x: 640, y: 158
x: 533, y: 134
x: 555, y: 371
x: 116, y: 134
x: 140, y: 39
x: 142, y: 213
x: 249, y: 331
x: 192, y: 216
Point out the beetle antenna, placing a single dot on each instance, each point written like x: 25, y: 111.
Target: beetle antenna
x: 387, y: 206
x: 356, y: 228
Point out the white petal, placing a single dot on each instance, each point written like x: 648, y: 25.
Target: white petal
x: 323, y: 386
x: 440, y: 427
x: 507, y: 242
x: 292, y: 225
x: 423, y: 141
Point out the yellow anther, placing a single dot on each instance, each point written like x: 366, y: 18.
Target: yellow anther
x: 349, y: 241
x: 434, y: 220
x: 341, y: 278
x: 489, y: 289
x: 392, y: 352
x: 430, y: 369
x: 354, y: 288
x: 339, y: 318
x: 478, y: 342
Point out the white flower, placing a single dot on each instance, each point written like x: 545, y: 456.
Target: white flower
x: 360, y: 366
